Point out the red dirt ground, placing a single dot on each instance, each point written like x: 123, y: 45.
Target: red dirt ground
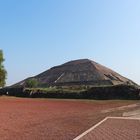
x: 43, y: 119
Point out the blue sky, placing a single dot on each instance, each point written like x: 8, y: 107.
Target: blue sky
x: 38, y: 34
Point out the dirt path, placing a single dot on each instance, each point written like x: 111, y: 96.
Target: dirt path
x: 132, y: 114
x: 121, y: 108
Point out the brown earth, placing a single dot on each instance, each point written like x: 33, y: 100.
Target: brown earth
x: 43, y: 119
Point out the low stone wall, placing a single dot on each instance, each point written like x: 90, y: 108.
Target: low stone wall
x: 99, y: 93
x: 114, y: 92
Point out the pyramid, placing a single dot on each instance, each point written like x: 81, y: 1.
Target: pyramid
x: 79, y: 72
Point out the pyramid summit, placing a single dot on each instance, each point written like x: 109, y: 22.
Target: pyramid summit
x: 79, y: 72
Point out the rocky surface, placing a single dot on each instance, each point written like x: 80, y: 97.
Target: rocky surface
x: 79, y: 72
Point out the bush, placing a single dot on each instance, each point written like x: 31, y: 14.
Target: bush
x: 31, y: 83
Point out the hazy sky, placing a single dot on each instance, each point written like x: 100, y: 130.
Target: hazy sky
x: 38, y: 34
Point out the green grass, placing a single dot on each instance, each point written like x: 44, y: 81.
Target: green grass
x: 53, y: 89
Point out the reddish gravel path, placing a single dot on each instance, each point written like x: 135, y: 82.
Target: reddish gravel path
x: 115, y: 129
x: 42, y: 119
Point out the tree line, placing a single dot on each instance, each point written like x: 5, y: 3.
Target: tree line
x: 3, y: 73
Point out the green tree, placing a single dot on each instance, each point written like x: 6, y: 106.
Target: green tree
x: 3, y: 72
x: 31, y: 83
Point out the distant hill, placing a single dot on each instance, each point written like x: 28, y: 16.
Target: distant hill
x: 78, y: 72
